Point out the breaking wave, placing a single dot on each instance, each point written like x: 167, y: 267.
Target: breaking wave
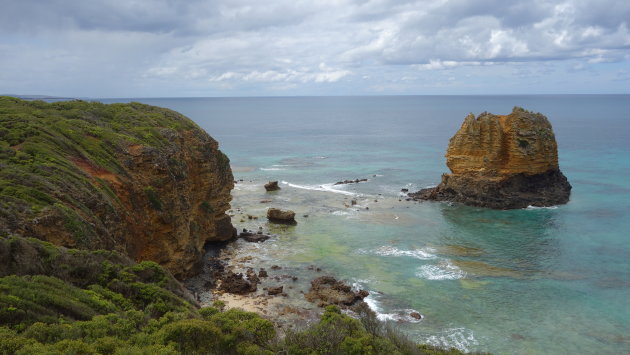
x: 442, y: 271
x: 323, y: 187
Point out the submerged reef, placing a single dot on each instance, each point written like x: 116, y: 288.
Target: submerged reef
x: 502, y: 162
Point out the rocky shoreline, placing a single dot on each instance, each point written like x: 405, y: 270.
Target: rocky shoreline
x: 276, y: 293
x: 517, y: 191
x: 290, y: 295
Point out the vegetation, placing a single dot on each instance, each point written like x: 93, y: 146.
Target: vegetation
x: 67, y: 304
x: 55, y: 300
x: 45, y: 149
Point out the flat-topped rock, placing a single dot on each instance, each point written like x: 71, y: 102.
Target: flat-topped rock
x: 502, y: 162
x: 281, y: 216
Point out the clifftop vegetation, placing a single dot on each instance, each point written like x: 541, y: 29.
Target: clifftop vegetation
x: 117, y: 177
x: 125, y: 183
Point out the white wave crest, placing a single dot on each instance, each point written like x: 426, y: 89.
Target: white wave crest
x: 342, y: 213
x: 422, y: 254
x: 460, y: 338
x: 246, y: 187
x: 530, y: 207
x: 324, y: 187
x: 442, y: 271
x: 271, y: 169
x: 401, y: 315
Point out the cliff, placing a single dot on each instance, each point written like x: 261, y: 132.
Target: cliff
x: 502, y: 162
x: 138, y: 179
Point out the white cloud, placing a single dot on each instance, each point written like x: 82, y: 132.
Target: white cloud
x: 197, y: 46
x: 324, y: 74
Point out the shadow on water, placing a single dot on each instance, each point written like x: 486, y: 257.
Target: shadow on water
x: 522, y: 240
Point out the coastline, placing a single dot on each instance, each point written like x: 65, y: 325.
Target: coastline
x: 290, y: 308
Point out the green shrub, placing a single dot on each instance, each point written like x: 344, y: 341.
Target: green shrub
x: 107, y: 345
x: 238, y: 326
x: 208, y: 312
x: 51, y: 333
x: 251, y: 349
x: 191, y: 336
x: 10, y: 341
x: 74, y: 347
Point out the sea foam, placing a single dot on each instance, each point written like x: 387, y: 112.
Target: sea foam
x: 460, y: 338
x: 324, y: 187
x: 422, y: 254
x: 530, y: 207
x: 442, y: 271
x: 399, y: 315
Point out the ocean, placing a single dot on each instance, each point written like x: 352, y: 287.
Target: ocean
x: 537, y: 280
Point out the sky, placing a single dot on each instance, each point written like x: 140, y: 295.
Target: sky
x: 192, y: 48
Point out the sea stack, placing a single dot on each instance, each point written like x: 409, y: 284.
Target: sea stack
x: 502, y: 162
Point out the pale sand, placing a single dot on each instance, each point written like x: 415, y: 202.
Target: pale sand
x: 260, y: 304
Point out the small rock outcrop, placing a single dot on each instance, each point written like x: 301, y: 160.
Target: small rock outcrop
x: 502, y: 162
x: 272, y: 291
x: 326, y: 290
x: 272, y: 186
x: 237, y: 283
x: 281, y: 216
x: 250, y: 236
x: 355, y: 181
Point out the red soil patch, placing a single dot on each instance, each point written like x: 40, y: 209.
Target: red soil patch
x: 95, y: 171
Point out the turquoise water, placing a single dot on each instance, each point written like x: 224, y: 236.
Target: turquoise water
x: 550, y: 280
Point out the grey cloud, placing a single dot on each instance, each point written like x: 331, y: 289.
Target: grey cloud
x: 288, y: 43
x: 54, y: 15
x: 190, y: 17
x: 501, y: 31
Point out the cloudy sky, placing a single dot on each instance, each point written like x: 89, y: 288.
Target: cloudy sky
x: 181, y: 48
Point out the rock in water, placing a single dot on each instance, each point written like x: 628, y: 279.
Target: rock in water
x: 502, y: 162
x: 326, y: 290
x: 272, y: 186
x: 281, y: 216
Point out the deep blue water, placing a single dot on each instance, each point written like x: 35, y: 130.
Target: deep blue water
x: 554, y: 280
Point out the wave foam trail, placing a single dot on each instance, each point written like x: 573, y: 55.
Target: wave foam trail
x: 530, y: 207
x: 401, y: 315
x: 422, y: 254
x: 442, y: 271
x: 324, y: 187
x: 271, y: 169
x: 460, y: 338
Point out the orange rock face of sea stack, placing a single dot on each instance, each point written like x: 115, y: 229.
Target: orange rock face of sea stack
x: 502, y: 162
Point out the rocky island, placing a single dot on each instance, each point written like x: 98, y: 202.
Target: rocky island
x: 502, y: 162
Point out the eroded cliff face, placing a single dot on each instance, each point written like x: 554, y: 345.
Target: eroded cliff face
x: 492, y: 145
x: 174, y: 199
x: 502, y: 162
x: 134, y: 178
